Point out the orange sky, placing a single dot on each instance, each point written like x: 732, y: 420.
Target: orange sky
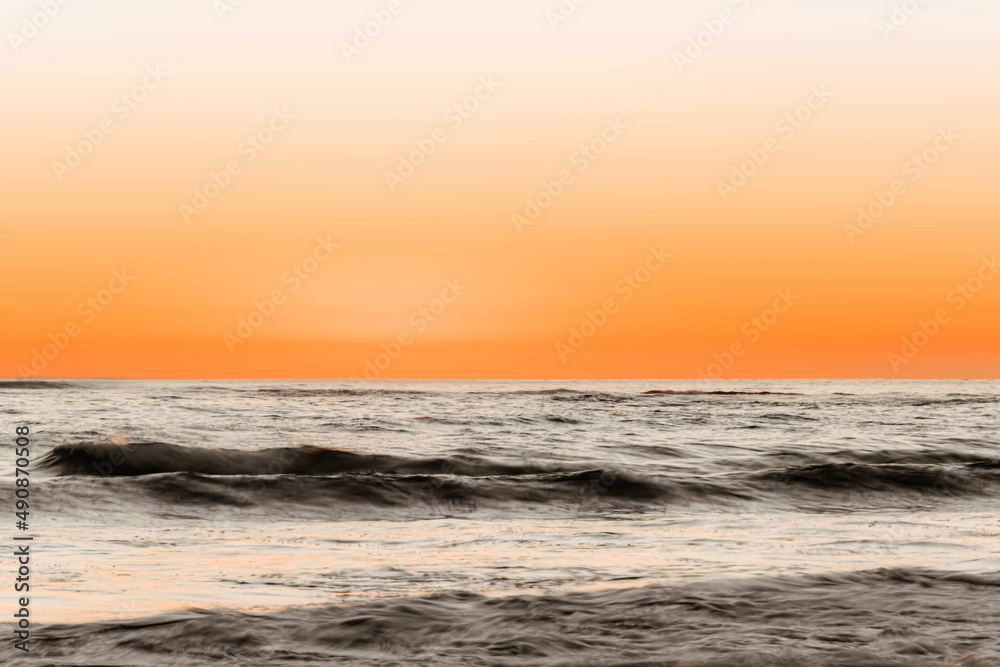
x: 311, y: 261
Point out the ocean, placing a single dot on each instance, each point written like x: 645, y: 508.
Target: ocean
x: 694, y: 523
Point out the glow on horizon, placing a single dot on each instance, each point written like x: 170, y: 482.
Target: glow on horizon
x: 522, y: 196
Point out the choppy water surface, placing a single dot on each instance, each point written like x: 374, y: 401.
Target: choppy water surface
x: 548, y: 523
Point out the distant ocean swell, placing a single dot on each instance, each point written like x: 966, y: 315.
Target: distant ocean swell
x: 875, y: 618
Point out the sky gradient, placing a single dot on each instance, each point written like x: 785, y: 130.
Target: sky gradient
x: 500, y: 190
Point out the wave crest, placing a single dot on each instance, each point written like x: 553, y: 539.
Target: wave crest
x: 149, y: 458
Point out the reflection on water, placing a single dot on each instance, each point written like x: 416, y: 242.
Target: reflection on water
x: 98, y: 572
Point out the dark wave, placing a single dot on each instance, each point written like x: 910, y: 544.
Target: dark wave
x: 696, y: 392
x: 370, y: 495
x: 327, y: 478
x: 956, y: 399
x: 505, y: 421
x: 366, y: 495
x: 884, y: 618
x: 529, y: 392
x: 928, y: 457
x: 940, y: 457
x: 34, y: 384
x: 786, y: 418
x: 593, y: 397
x: 886, y: 478
x: 653, y: 392
x: 293, y: 392
x: 562, y: 394
x: 558, y: 392
x: 148, y: 458
x: 539, y: 392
